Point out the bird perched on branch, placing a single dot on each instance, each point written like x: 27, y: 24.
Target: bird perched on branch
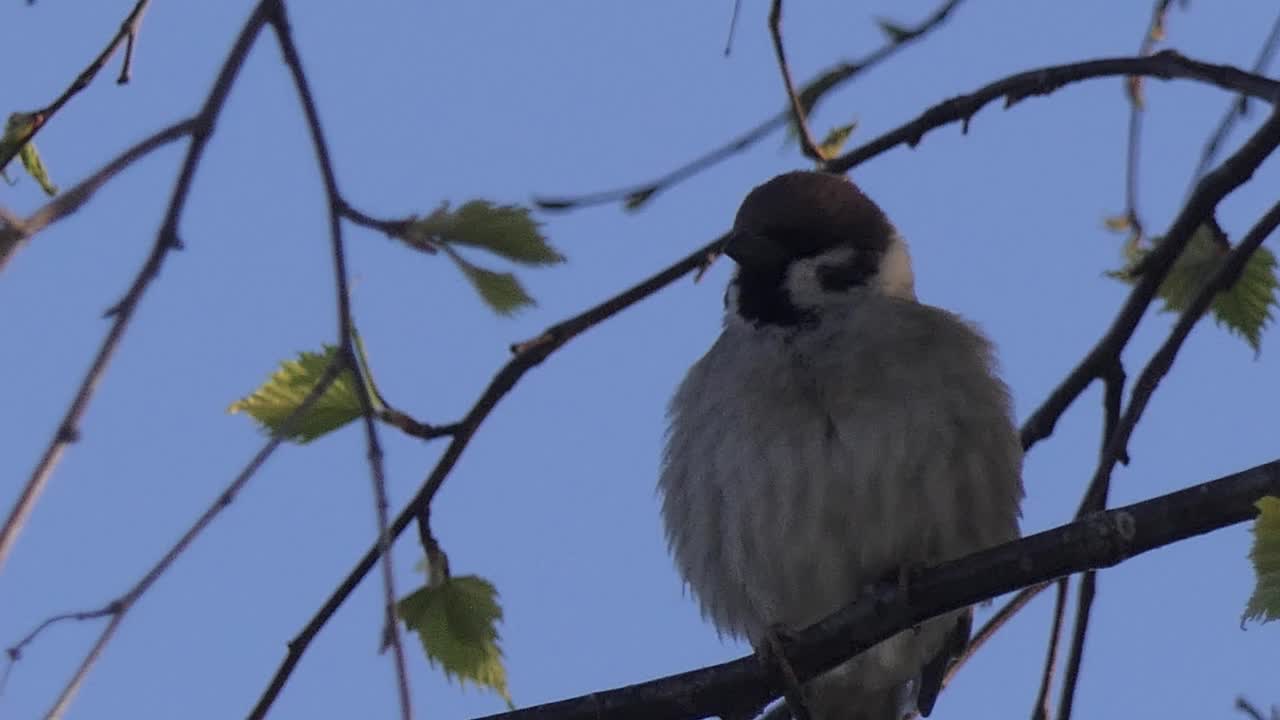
x: 838, y: 433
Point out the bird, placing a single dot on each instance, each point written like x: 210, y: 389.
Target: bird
x: 838, y: 432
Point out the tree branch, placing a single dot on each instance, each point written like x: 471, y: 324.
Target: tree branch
x: 1236, y: 108
x: 119, y: 607
x: 280, y: 25
x: 528, y: 354
x: 825, y: 82
x: 807, y: 143
x: 1098, y: 541
x: 128, y: 32
x: 1166, y: 65
x: 1232, y: 173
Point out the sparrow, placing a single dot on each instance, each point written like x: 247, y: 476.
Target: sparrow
x: 838, y: 433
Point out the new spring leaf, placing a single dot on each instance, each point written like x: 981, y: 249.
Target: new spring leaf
x: 1265, y: 603
x: 276, y: 399
x: 456, y: 620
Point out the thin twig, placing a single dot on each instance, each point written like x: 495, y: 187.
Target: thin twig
x: 1166, y: 65
x: 1253, y: 712
x: 279, y: 21
x: 1236, y: 108
x: 1214, y: 186
x: 1154, y: 32
x: 166, y: 241
x: 70, y: 201
x: 826, y: 81
x: 1101, y: 540
x: 528, y: 355
x: 410, y: 426
x: 798, y: 119
x: 733, y: 25
x: 1079, y: 633
x: 118, y: 608
x: 127, y: 32
x: 1040, y: 711
x: 391, y: 228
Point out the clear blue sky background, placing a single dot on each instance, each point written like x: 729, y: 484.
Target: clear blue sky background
x: 554, y: 500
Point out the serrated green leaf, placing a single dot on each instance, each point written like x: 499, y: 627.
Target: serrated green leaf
x: 457, y: 624
x: 17, y: 127
x: 501, y: 290
x: 1264, y: 605
x: 835, y: 140
x: 1244, y: 308
x: 893, y: 30
x: 504, y: 230
x: 276, y: 399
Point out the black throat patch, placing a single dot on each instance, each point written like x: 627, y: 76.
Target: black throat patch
x: 763, y: 298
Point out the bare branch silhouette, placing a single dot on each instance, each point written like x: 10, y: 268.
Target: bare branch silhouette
x: 1237, y: 107
x: 826, y: 81
x: 1101, y: 540
x: 280, y: 25
x: 807, y: 144
x: 127, y: 34
x: 167, y: 240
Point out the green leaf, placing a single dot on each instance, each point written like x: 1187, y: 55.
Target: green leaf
x: 19, y: 126
x: 835, y: 139
x: 1264, y: 606
x: 894, y: 31
x: 501, y: 290
x: 456, y: 621
x: 277, y: 398
x: 1244, y: 308
x: 504, y: 230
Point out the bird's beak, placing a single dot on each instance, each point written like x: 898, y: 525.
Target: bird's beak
x: 754, y: 250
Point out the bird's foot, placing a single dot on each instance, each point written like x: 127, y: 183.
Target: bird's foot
x: 773, y: 654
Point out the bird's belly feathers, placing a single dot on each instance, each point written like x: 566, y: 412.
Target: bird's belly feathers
x: 785, y: 502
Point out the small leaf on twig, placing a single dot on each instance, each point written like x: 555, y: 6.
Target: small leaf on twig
x: 501, y: 290
x: 1264, y: 605
x: 1244, y: 308
x: 1117, y: 223
x: 456, y: 620
x: 19, y: 126
x: 277, y: 398
x: 834, y: 142
x: 504, y: 230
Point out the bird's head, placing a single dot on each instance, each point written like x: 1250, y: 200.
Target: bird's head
x: 805, y: 241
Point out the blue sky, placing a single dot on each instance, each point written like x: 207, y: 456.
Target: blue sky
x: 554, y: 499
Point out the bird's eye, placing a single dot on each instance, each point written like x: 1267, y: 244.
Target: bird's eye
x: 854, y: 271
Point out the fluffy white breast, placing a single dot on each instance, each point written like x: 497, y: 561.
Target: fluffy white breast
x: 803, y: 465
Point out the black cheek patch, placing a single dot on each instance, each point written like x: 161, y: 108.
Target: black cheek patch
x: 854, y: 272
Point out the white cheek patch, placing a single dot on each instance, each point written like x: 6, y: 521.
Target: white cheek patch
x: 802, y: 283
x: 895, y: 277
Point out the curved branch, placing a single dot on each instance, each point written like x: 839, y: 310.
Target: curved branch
x: 1098, y: 541
x: 127, y: 34
x: 1214, y: 186
x: 279, y: 21
x: 1043, y: 81
x: 827, y: 81
x: 528, y: 355
x: 122, y: 312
